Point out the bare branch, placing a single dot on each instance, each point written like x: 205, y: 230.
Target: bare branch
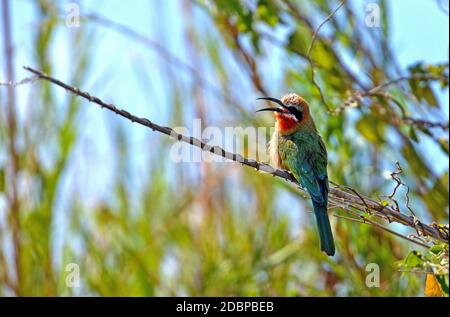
x: 356, y: 97
x: 426, y: 124
x: 338, y: 194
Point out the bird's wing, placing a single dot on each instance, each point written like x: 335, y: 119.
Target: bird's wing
x: 314, y: 177
x: 309, y: 166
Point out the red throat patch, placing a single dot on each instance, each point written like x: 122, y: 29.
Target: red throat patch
x: 285, y: 123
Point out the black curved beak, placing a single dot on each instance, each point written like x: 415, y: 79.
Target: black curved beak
x: 277, y: 101
x: 270, y: 109
x: 291, y: 110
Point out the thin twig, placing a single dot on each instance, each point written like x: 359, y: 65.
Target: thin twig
x: 395, y: 176
x: 328, y: 18
x: 425, y: 77
x: 349, y: 218
x: 366, y: 220
x: 308, y: 52
x: 356, y: 97
x: 426, y: 123
x: 338, y: 192
x: 20, y: 82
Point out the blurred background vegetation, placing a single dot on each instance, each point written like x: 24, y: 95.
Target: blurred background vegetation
x: 80, y: 185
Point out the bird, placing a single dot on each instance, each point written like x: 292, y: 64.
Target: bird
x: 297, y: 147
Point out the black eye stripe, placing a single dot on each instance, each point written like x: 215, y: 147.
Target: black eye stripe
x: 297, y: 113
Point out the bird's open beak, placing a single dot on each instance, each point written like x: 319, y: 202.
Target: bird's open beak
x: 277, y: 101
x: 270, y: 109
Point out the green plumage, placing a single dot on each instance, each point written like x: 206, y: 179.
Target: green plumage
x: 304, y: 154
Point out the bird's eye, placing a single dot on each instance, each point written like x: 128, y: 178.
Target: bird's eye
x: 297, y: 113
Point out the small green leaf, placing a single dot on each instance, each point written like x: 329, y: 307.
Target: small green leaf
x: 413, y: 260
x: 436, y: 249
x: 429, y: 96
x: 413, y: 135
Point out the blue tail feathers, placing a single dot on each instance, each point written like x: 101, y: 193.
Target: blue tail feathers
x: 325, y: 233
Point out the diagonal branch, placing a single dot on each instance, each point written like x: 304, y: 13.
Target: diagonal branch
x: 339, y: 194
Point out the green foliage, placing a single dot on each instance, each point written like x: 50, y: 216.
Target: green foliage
x: 434, y: 261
